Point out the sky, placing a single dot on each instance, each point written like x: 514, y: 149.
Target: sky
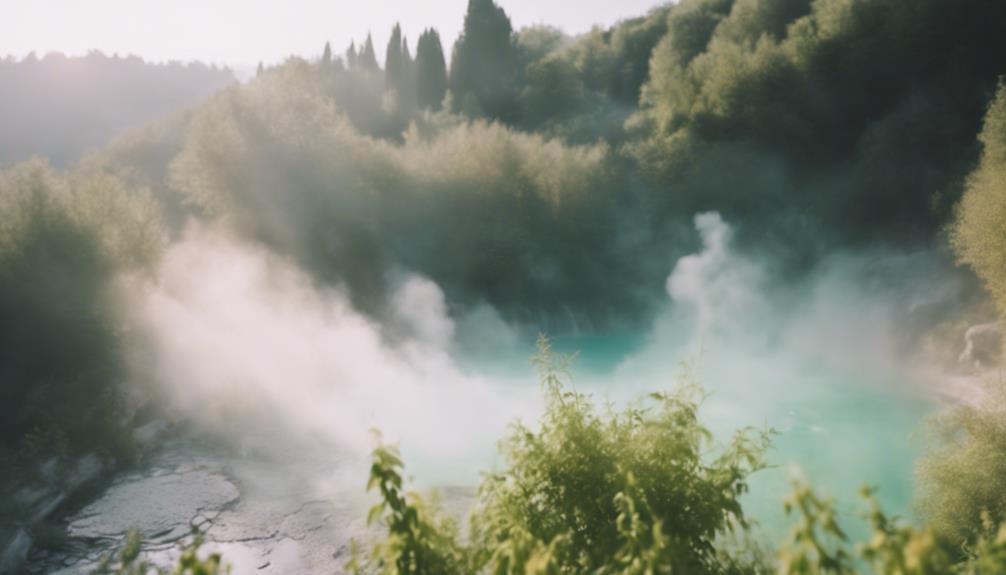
x: 242, y: 33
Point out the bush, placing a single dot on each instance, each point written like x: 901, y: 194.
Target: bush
x: 637, y: 492
x: 590, y: 491
x: 963, y: 477
x: 63, y: 243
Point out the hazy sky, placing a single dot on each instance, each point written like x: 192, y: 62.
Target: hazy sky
x: 243, y: 32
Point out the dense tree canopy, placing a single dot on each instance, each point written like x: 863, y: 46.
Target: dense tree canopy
x: 854, y: 98
x: 61, y: 107
x: 63, y: 243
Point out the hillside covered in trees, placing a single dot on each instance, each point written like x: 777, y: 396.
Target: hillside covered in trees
x: 815, y: 182
x: 60, y: 107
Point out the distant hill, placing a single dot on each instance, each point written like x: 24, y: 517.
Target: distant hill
x: 60, y: 107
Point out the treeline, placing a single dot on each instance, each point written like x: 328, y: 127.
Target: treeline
x: 813, y: 126
x: 60, y: 107
x: 529, y: 78
x: 860, y: 114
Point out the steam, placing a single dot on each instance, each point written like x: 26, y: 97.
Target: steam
x: 420, y: 307
x: 714, y: 285
x: 249, y: 345
x: 834, y: 362
x: 246, y: 344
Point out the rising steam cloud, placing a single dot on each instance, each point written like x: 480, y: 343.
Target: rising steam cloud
x: 245, y: 342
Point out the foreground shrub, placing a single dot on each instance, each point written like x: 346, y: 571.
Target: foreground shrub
x: 641, y: 492
x: 589, y: 491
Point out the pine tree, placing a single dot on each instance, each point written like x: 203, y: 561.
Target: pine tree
x: 430, y: 70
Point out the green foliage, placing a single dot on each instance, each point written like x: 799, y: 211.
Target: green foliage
x: 396, y: 63
x: 418, y: 541
x: 598, y: 481
x: 977, y: 232
x: 818, y: 546
x: 129, y: 562
x: 638, y: 492
x: 616, y: 62
x: 851, y: 98
x: 587, y: 492
x: 784, y: 115
x: 368, y: 57
x: 281, y: 163
x: 431, y: 71
x: 64, y: 241
x: 963, y: 477
x: 552, y: 91
x: 900, y: 549
x: 484, y: 65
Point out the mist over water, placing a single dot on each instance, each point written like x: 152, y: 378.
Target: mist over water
x: 249, y: 346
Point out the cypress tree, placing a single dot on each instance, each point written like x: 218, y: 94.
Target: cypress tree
x: 326, y: 56
x: 351, y: 56
x: 430, y: 70
x: 394, y: 69
x: 407, y: 96
x: 368, y: 58
x: 485, y: 62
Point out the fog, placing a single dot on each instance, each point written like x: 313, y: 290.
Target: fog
x: 245, y: 343
x: 841, y: 365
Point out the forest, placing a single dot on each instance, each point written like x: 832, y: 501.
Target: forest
x: 61, y: 107
x: 772, y: 229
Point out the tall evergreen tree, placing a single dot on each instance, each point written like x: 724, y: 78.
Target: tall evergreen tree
x: 351, y: 56
x: 338, y: 66
x: 430, y: 70
x: 368, y: 58
x: 394, y: 68
x: 326, y: 56
x: 407, y: 95
x: 406, y: 54
x: 485, y: 62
